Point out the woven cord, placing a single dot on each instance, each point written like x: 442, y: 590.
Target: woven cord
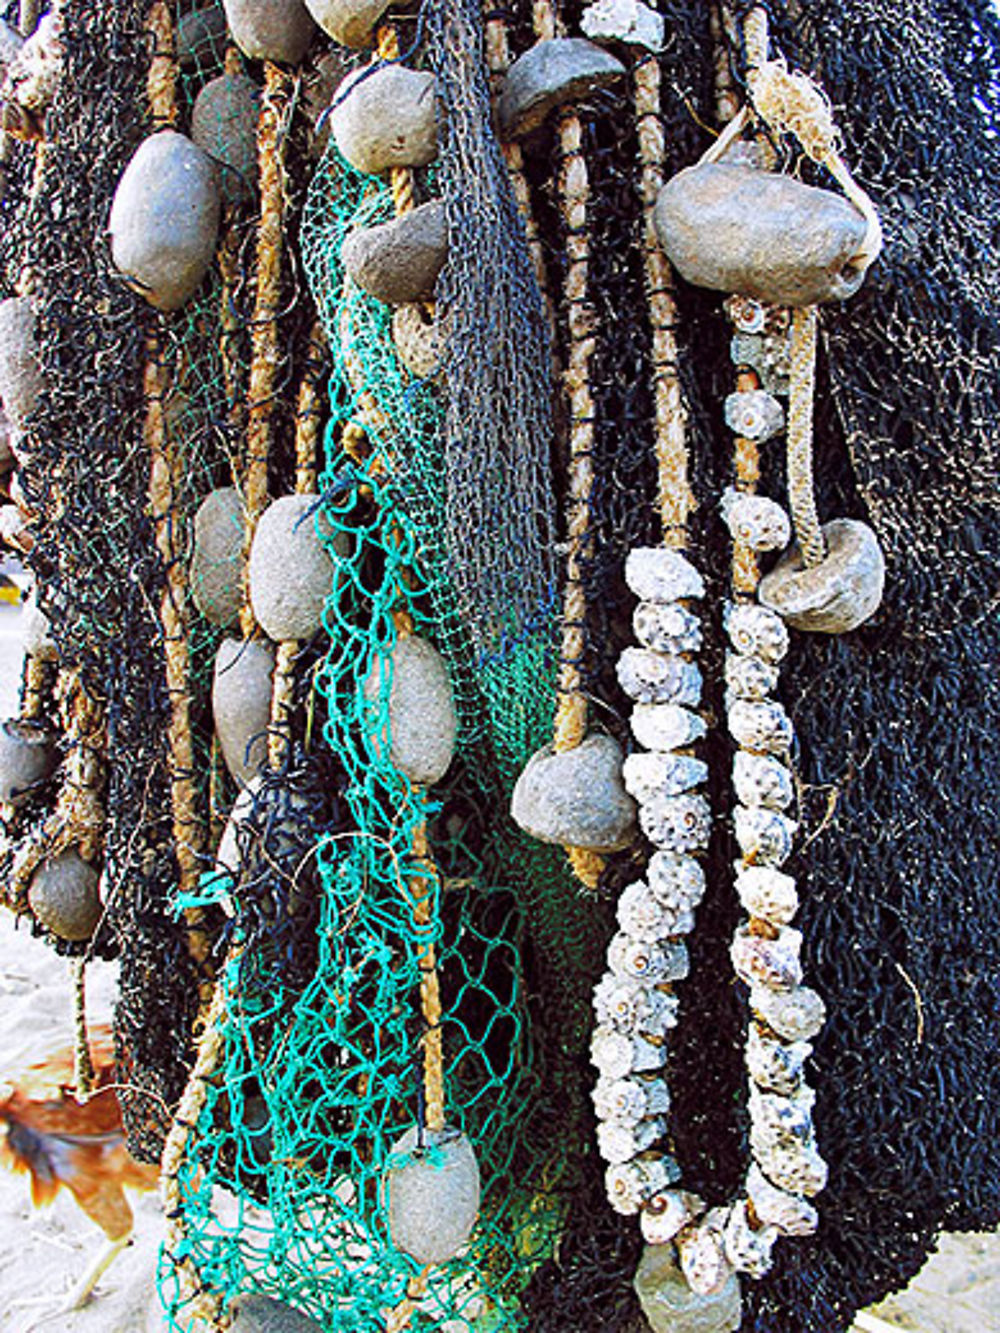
x: 801, y: 489
x: 83, y: 1065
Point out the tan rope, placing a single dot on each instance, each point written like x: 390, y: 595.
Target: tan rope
x: 543, y: 14
x: 801, y: 490
x: 83, y: 1065
x: 36, y: 681
x: 161, y: 81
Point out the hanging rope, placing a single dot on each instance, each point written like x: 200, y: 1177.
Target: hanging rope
x: 801, y: 487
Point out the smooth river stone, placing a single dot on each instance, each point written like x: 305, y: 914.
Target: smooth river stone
x: 256, y: 1313
x: 27, y: 756
x: 201, y: 38
x: 63, y: 894
x: 241, y: 703
x: 350, y: 22
x: 835, y: 596
x: 21, y: 378
x: 576, y: 798
x: 433, y: 1194
x: 165, y: 219
x: 399, y: 261
x: 278, y: 30
x: 551, y: 74
x: 386, y: 119
x: 216, y: 573
x: 671, y: 1306
x: 421, y: 709
x: 224, y: 124
x: 291, y: 570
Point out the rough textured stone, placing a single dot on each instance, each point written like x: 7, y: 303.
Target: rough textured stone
x: 63, y: 896
x: 433, y: 1195
x: 224, y: 124
x: 671, y: 1306
x: 422, y: 719
x: 6, y: 441
x: 734, y: 229
x: 201, y: 38
x: 217, y: 560
x: 420, y: 340
x: 399, y: 261
x: 576, y: 798
x: 835, y: 596
x: 27, y: 755
x: 165, y: 219
x: 241, y: 703
x: 256, y: 1313
x: 21, y: 379
x: 291, y: 571
x: 279, y: 30
x: 627, y: 21
x: 549, y: 75
x: 350, y: 22
x: 387, y: 119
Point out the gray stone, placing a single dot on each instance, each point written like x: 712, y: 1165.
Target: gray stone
x: 217, y: 560
x: 241, y: 703
x: 433, y: 1194
x: 201, y: 38
x: 21, y: 378
x: 627, y: 21
x: 165, y: 219
x: 63, y: 895
x: 758, y: 234
x: 835, y: 596
x: 27, y: 756
x: 420, y: 340
x: 421, y: 709
x: 551, y: 74
x: 576, y: 798
x: 224, y: 124
x: 350, y: 22
x: 387, y: 119
x: 255, y: 1313
x: 671, y: 1306
x: 278, y: 30
x: 291, y: 569
x: 398, y: 262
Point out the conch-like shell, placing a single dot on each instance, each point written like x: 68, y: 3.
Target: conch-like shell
x: 641, y: 960
x: 702, y: 1252
x: 677, y: 823
x: 760, y: 779
x: 764, y: 727
x: 755, y: 415
x: 668, y: 627
x: 620, y: 1143
x: 617, y: 1056
x: 633, y: 1007
x: 626, y: 1101
x: 776, y: 1207
x: 647, y: 776
x: 773, y: 962
x: 774, y: 1065
x: 630, y: 1184
x: 767, y: 893
x: 795, y: 1015
x: 667, y: 1213
x: 748, y: 1248
x: 794, y: 1166
x: 678, y: 882
x: 765, y: 836
x: 659, y: 678
x: 749, y: 677
x: 754, y: 630
x: 659, y: 574
x: 641, y: 915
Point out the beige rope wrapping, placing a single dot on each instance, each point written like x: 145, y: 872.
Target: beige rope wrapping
x: 36, y: 680
x: 801, y: 490
x: 83, y: 1065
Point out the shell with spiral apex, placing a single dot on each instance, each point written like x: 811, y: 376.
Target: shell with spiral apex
x: 620, y: 1143
x: 678, y: 882
x: 772, y: 962
x: 667, y: 627
x: 629, y: 1100
x: 647, y: 776
x: 762, y: 726
x: 795, y: 1015
x: 641, y: 960
x: 756, y: 631
x: 795, y: 1166
x: 749, y: 1248
x: 641, y: 915
x: 755, y: 520
x: 677, y: 823
x: 702, y: 1252
x: 748, y: 677
x: 658, y: 574
x: 761, y: 779
x: 776, y: 1207
x: 757, y: 415
x: 633, y: 1007
x: 767, y: 893
x: 765, y: 836
x: 666, y: 1214
x: 666, y: 727
x: 629, y: 1185
x: 774, y: 1117
x: 616, y: 1055
x: 659, y: 678
x: 775, y: 1065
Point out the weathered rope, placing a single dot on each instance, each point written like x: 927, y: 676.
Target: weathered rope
x: 83, y: 1065
x: 37, y: 674
x: 801, y: 488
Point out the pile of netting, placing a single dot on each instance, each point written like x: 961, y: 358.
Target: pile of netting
x: 437, y: 496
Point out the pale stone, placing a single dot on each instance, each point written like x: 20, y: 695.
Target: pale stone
x: 795, y: 1015
x: 671, y: 1306
x: 27, y: 756
x: 627, y: 21
x: 165, y: 219
x: 735, y: 229
x: 575, y: 798
x: 241, y: 703
x: 386, y: 119
x: 216, y: 574
x: 350, y: 22
x: 658, y: 574
x: 433, y: 1194
x: 417, y: 694
x: 399, y: 261
x: 224, y: 124
x: 548, y: 75
x: 63, y: 894
x: 256, y: 1313
x: 11, y: 43
x: 835, y: 596
x: 291, y: 569
x: 278, y: 30
x: 6, y: 441
x: 21, y: 377
x: 201, y: 38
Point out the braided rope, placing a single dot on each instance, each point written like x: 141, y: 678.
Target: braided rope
x: 83, y: 1065
x: 801, y: 489
x: 35, y: 687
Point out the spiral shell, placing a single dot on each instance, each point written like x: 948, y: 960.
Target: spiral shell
x: 767, y: 893
x: 702, y: 1252
x: 749, y: 1249
x: 776, y: 1065
x: 677, y: 823
x: 795, y: 1167
x: 616, y: 1055
x: 754, y: 414
x: 760, y: 779
x: 764, y: 727
x: 678, y: 882
x: 639, y: 960
x: 765, y: 836
x: 626, y: 1101
x: 620, y: 1143
x: 773, y: 962
x: 629, y: 1185
x: 658, y: 678
x: 666, y: 726
x: 658, y: 574
x: 667, y: 1213
x: 755, y: 520
x: 767, y: 354
x: 748, y: 315
x: 777, y: 1208
x: 795, y: 1015
x: 667, y: 627
x: 749, y: 677
x: 633, y: 1008
x: 639, y: 913
x: 756, y: 631
x: 776, y: 1118
x: 647, y: 776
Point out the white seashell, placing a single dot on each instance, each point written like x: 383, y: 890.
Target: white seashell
x: 640, y: 914
x: 748, y: 1248
x: 760, y: 779
x: 658, y: 678
x: 647, y: 776
x: 677, y: 823
x: 795, y: 1167
x: 768, y: 355
x: 764, y: 727
x: 630, y: 1184
x: 777, y: 1208
x: 629, y: 1100
x: 750, y: 677
x: 702, y: 1252
x: 747, y: 314
x: 776, y: 1118
x: 633, y: 1008
x: 668, y: 627
x: 628, y: 21
x: 677, y: 882
x: 756, y: 631
x: 765, y: 836
x: 619, y: 1143
x: 667, y: 1213
x: 755, y: 520
x: 773, y: 962
x: 641, y: 960
x: 795, y: 1015
x: 767, y: 893
x: 616, y: 1055
x: 754, y: 414
x: 666, y: 726
x: 775, y: 1065
x: 658, y: 574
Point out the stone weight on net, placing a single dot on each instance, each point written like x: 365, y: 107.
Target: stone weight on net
x: 835, y: 596
x: 350, y: 22
x: 241, y: 703
x: 399, y: 261
x: 200, y: 38
x: 63, y: 894
x: 420, y: 704
x: 671, y: 1306
x: 256, y: 1313
x: 27, y: 756
x: 217, y: 559
x: 386, y: 118
x: 21, y: 377
x: 575, y: 797
x: 278, y: 30
x: 224, y: 124
x: 432, y: 1194
x: 291, y: 569
x: 551, y: 74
